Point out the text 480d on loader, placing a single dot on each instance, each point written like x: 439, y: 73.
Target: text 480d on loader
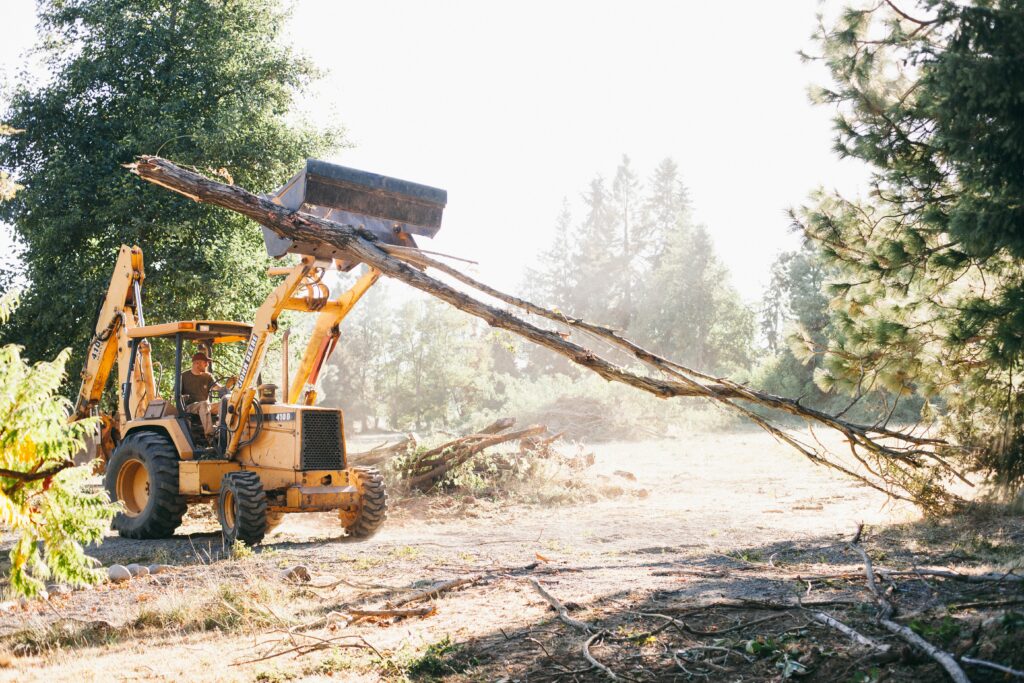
x: 263, y: 457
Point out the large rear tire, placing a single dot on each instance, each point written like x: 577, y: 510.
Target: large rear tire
x: 371, y: 509
x: 242, y: 508
x: 143, y: 476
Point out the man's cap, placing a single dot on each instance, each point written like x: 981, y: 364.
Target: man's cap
x: 199, y: 355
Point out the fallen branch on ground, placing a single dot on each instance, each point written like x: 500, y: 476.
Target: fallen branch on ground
x: 945, y: 659
x: 384, y: 452
x: 855, y: 635
x: 426, y: 470
x: 987, y: 577
x: 590, y: 658
x: 992, y: 665
x: 751, y: 603
x: 433, y: 591
x: 563, y: 613
x: 686, y: 628
x: 322, y: 644
x: 892, y: 461
x: 411, y: 612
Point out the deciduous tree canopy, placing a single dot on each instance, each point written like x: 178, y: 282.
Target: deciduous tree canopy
x: 211, y: 83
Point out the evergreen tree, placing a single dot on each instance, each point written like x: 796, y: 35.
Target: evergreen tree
x: 632, y: 245
x: 794, y: 312
x: 553, y: 281
x: 355, y: 376
x: 595, y: 259
x: 929, y: 283
x: 553, y: 284
x: 667, y: 208
x: 207, y: 83
x: 691, y: 313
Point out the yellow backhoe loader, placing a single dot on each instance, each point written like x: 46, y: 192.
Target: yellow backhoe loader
x: 257, y: 456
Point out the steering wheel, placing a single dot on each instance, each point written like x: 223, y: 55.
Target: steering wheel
x: 222, y: 385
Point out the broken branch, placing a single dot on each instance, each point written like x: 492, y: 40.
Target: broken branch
x: 899, y: 464
x: 563, y: 613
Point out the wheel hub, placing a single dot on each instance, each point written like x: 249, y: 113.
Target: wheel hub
x: 230, y: 509
x: 133, y: 487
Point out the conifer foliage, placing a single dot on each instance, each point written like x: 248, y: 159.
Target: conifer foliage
x: 928, y: 295
x: 637, y: 261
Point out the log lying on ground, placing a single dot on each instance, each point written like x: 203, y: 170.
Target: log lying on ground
x: 422, y: 471
x: 381, y: 454
x: 425, y: 471
x: 900, y: 464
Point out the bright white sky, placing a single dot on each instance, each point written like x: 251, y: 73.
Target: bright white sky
x: 512, y: 107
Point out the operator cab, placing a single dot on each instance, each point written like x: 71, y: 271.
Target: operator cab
x: 204, y: 336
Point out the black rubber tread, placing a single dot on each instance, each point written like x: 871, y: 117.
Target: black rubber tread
x: 166, y: 506
x: 250, y: 511
x: 373, y: 504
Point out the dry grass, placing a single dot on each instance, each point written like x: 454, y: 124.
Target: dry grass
x: 237, y: 596
x: 728, y: 515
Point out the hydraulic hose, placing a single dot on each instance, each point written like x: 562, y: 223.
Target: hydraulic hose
x: 259, y: 424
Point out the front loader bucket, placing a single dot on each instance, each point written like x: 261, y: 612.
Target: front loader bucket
x: 393, y: 210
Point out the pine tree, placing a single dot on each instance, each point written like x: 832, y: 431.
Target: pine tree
x: 632, y: 244
x: 552, y: 282
x: 929, y: 281
x: 667, y: 208
x: 596, y: 260
x: 691, y: 312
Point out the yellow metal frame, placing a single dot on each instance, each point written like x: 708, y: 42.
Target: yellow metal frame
x: 325, y: 338
x: 304, y: 276
x: 119, y: 314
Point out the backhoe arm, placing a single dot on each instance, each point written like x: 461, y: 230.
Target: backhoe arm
x: 121, y: 310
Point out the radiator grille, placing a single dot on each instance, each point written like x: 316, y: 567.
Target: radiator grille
x: 321, y: 440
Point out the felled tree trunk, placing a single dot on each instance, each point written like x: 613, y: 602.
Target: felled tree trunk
x: 383, y: 453
x: 900, y: 464
x: 430, y: 468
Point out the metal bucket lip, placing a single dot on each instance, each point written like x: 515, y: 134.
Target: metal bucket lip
x: 391, y: 209
x: 376, y: 181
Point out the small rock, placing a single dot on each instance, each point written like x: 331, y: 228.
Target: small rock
x: 160, y: 569
x: 625, y: 475
x: 138, y: 570
x: 118, y: 573
x: 57, y: 589
x: 299, y: 574
x: 23, y: 602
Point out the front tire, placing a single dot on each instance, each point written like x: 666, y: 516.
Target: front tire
x: 372, y: 507
x: 242, y: 508
x: 143, y: 476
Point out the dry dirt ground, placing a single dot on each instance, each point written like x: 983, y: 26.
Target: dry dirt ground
x: 687, y: 573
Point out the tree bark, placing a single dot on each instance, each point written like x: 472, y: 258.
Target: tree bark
x: 894, y: 469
